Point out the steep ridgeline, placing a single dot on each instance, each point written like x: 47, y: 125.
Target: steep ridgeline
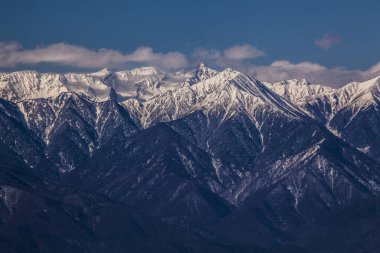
x: 37, y: 216
x: 351, y: 112
x: 215, y: 153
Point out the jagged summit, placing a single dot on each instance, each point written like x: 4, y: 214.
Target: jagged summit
x: 223, y: 95
x: 201, y: 73
x: 201, y: 65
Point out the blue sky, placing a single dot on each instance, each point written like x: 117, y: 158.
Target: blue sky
x: 341, y: 37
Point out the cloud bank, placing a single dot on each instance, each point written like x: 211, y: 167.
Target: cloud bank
x: 239, y: 57
x: 242, y: 52
x: 13, y: 54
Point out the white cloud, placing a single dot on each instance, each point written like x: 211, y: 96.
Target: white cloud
x: 241, y: 52
x: 171, y: 60
x: 12, y: 54
x: 327, y: 41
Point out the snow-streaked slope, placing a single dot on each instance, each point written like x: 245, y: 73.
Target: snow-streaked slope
x: 152, y: 95
x: 201, y: 73
x: 23, y: 85
x: 361, y: 95
x: 359, y: 121
x: 147, y: 83
x: 322, y: 101
x: 299, y: 91
x: 139, y: 83
x: 221, y: 96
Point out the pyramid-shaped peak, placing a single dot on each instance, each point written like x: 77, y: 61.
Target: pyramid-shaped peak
x: 201, y: 73
x: 203, y: 68
x: 202, y: 65
x: 304, y: 81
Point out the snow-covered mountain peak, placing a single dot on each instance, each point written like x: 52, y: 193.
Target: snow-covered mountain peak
x: 224, y: 79
x: 201, y: 65
x: 240, y: 81
x: 304, y: 81
x: 22, y: 85
x: 147, y: 83
x: 324, y: 102
x: 204, y: 69
x: 361, y: 95
x: 102, y: 73
x: 358, y: 87
x: 201, y: 73
x: 222, y: 96
x: 374, y: 82
x: 298, y: 89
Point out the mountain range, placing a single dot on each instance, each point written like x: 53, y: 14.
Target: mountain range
x: 193, y: 161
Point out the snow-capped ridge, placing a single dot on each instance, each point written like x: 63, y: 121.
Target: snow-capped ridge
x: 224, y: 95
x: 326, y: 100
x: 358, y: 87
x: 361, y: 95
x: 149, y: 83
x: 101, y: 73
